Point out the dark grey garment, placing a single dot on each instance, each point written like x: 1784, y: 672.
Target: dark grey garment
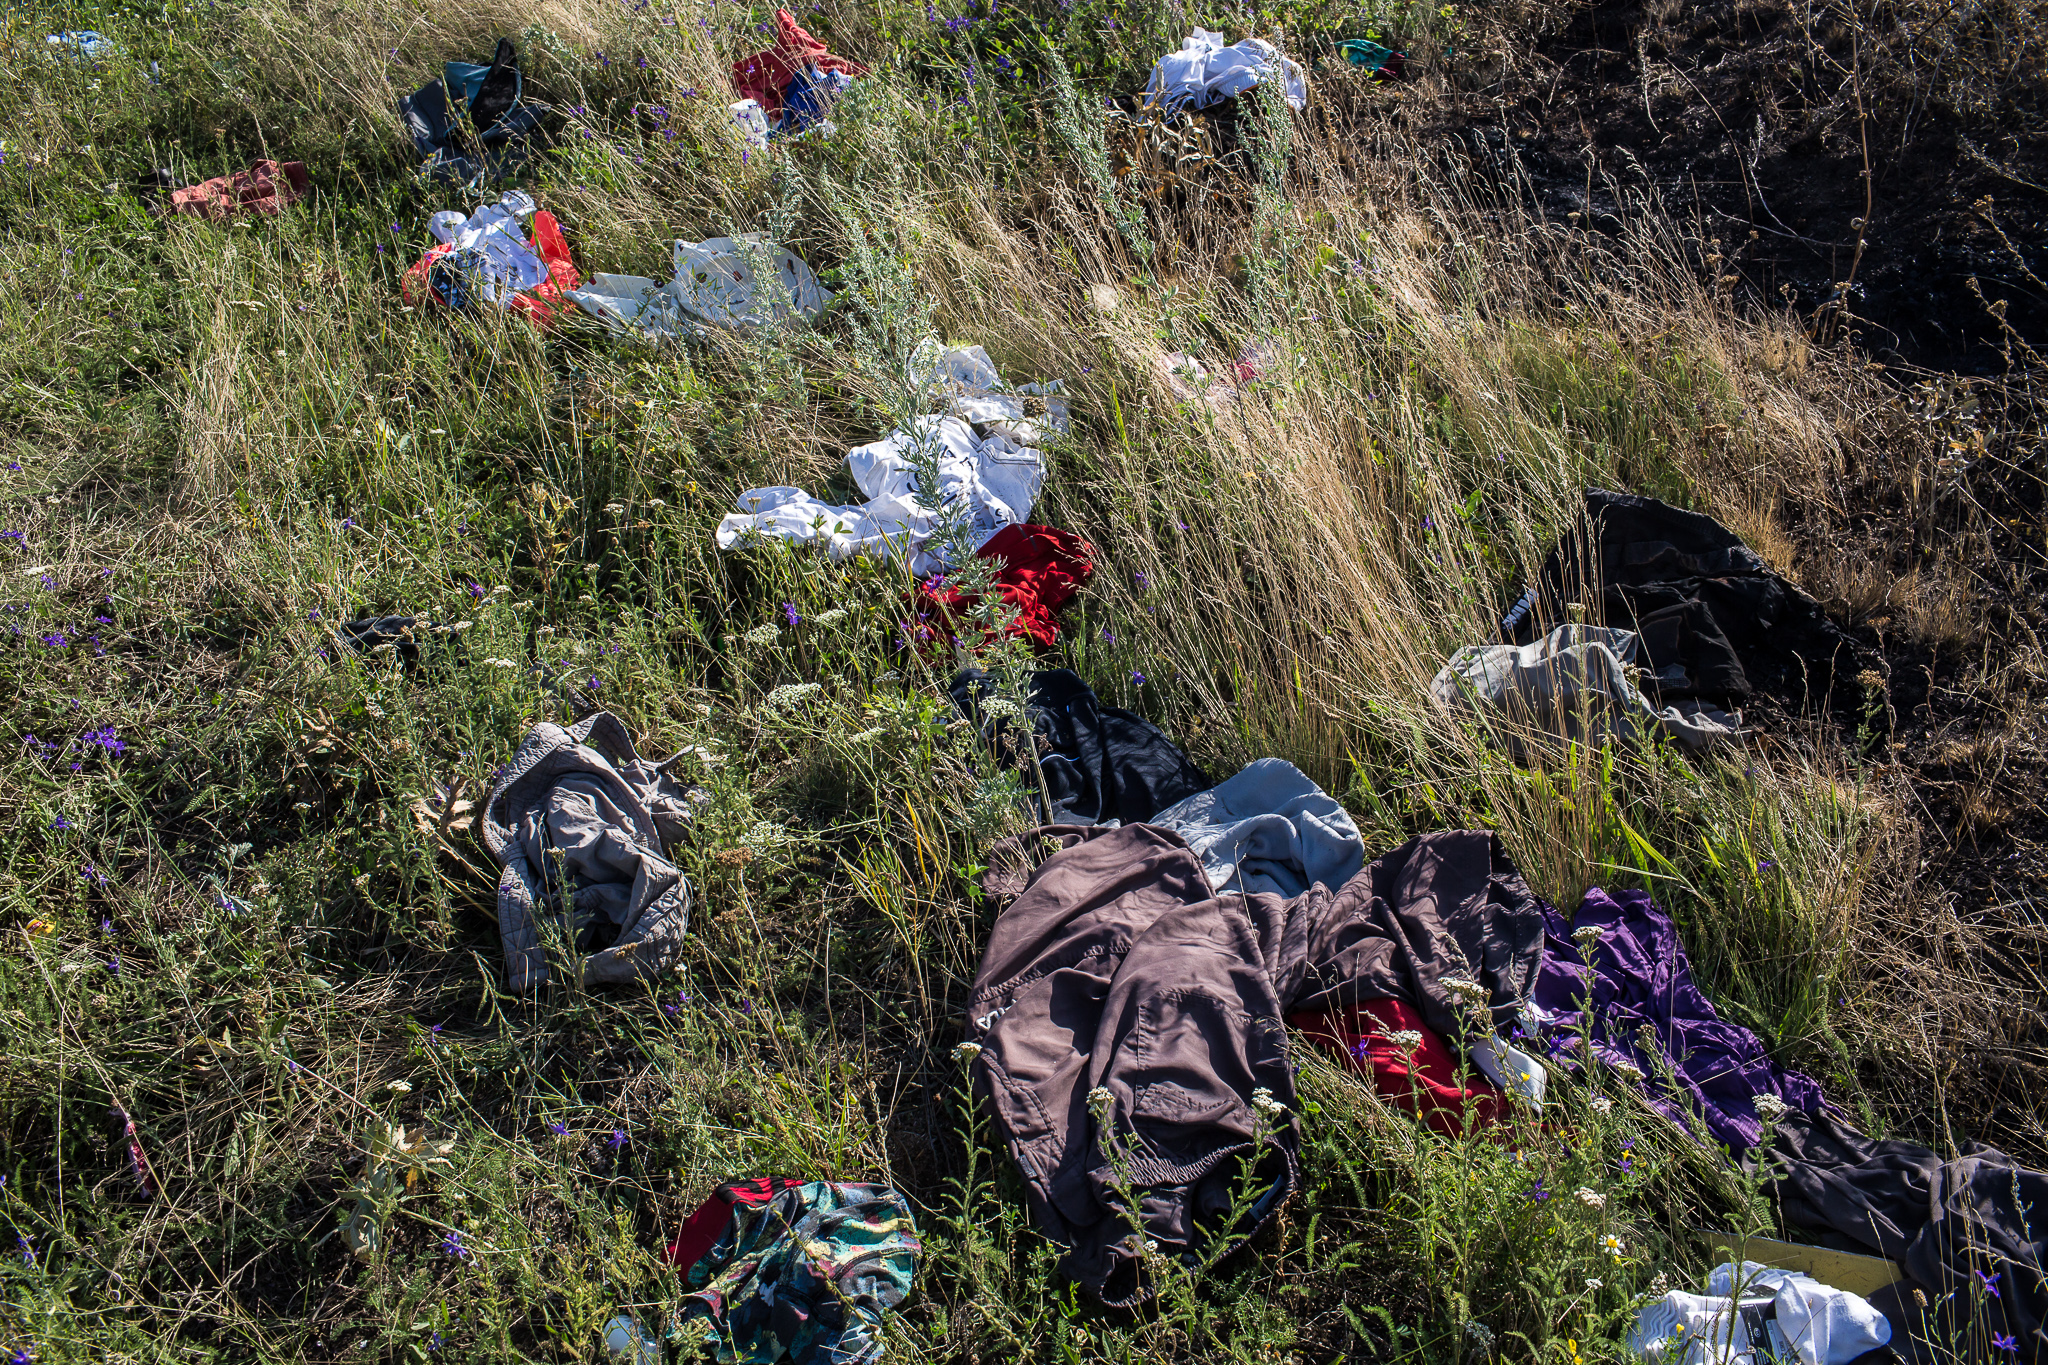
x: 1573, y: 683
x: 1952, y: 1225
x: 1118, y: 972
x: 1715, y: 622
x: 585, y: 797
x: 1268, y: 829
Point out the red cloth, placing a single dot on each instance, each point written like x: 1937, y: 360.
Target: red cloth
x: 1042, y: 568
x: 764, y: 75
x: 703, y: 1228
x: 1360, y: 1032
x: 543, y: 302
x: 267, y: 187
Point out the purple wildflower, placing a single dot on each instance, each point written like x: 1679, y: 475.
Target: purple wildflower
x: 1536, y: 1193
x: 1137, y: 679
x: 618, y: 1140
x: 2005, y: 1342
x: 451, y: 1245
x: 1989, y: 1283
x: 559, y: 1129
x: 789, y: 613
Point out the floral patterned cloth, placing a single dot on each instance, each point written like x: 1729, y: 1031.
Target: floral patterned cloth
x: 806, y: 1276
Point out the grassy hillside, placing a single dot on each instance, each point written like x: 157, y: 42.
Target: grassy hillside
x: 246, y: 910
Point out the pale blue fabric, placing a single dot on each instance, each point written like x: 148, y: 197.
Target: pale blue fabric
x: 1268, y: 829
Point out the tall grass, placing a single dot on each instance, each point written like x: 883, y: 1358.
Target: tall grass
x: 270, y: 904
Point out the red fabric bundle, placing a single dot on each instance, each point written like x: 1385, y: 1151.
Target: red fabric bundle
x: 1041, y: 570
x: 1433, y: 1093
x: 267, y: 187
x: 704, y: 1227
x: 764, y: 75
x: 543, y: 302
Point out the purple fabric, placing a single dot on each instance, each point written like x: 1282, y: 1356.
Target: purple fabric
x: 1700, y: 1070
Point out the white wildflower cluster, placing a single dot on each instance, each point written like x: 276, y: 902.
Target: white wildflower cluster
x: 1263, y: 1101
x: 1628, y: 1071
x: 1770, y: 1108
x: 867, y: 736
x: 765, y: 835
x: 1100, y: 1103
x: 995, y: 708
x: 789, y: 694
x: 763, y: 635
x: 831, y: 616
x: 1600, y: 1104
x: 1587, y: 937
x: 966, y: 1052
x: 1591, y: 1198
x: 1405, y: 1039
x: 1465, y: 989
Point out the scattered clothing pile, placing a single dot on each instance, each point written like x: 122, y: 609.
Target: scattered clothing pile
x: 492, y: 134
x: 1206, y: 72
x: 580, y: 823
x: 730, y: 282
x: 797, y: 1272
x: 1130, y: 1021
x: 1573, y: 682
x: 1756, y: 1313
x: 1100, y: 764
x: 795, y: 82
x: 989, y: 471
x: 267, y: 188
x: 1713, y: 623
x: 1038, y: 570
x: 1952, y: 1224
x: 486, y: 261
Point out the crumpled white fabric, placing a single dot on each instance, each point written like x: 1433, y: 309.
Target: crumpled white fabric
x: 1205, y: 72
x: 1510, y: 1068
x: 508, y: 263
x: 989, y: 474
x: 1822, y: 1325
x: 743, y: 281
x: 752, y: 121
x: 1572, y: 680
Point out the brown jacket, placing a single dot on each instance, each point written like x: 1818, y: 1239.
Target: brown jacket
x: 1119, y: 968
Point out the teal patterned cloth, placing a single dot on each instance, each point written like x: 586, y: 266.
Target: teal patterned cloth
x: 806, y: 1277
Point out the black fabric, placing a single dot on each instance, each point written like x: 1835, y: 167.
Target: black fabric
x: 1100, y: 763
x: 408, y: 634
x: 1950, y: 1223
x: 427, y: 123
x: 1716, y: 623
x: 500, y: 90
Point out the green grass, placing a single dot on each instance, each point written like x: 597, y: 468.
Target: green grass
x: 220, y: 442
